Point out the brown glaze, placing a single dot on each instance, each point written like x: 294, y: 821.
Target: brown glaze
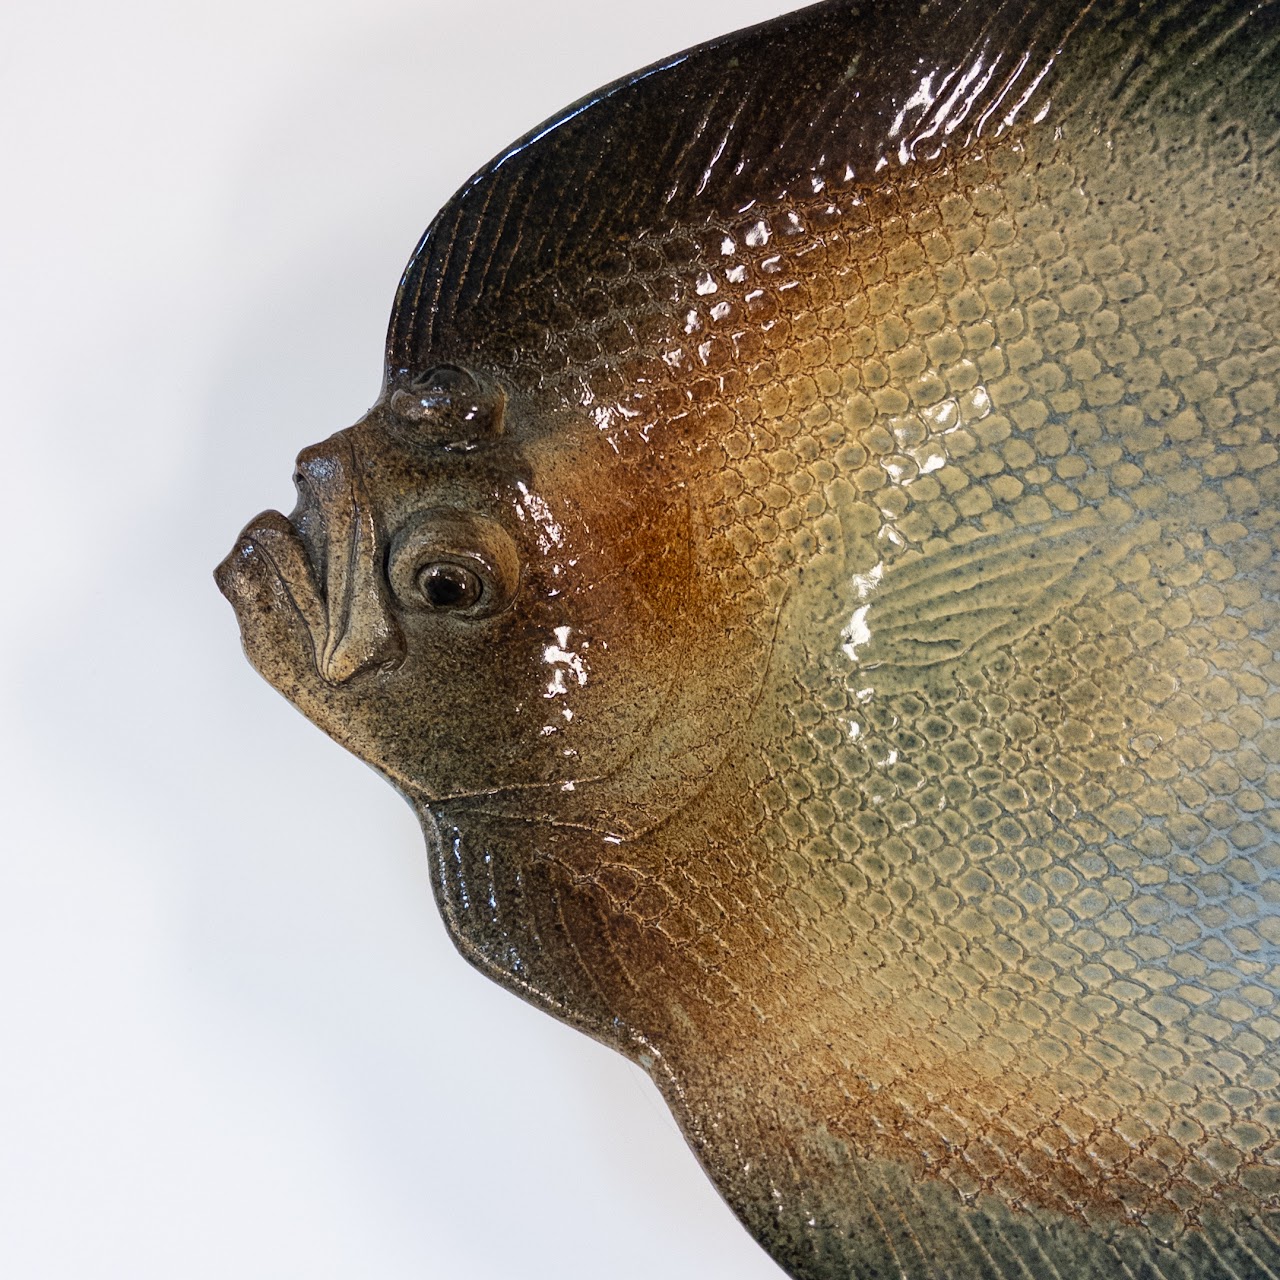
x: 812, y: 571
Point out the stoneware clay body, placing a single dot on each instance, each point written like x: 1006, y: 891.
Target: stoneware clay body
x: 812, y: 570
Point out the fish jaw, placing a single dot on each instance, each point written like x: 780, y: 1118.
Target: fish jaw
x: 358, y: 629
x: 270, y: 584
x: 349, y: 628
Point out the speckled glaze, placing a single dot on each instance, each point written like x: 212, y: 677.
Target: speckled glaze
x: 812, y: 570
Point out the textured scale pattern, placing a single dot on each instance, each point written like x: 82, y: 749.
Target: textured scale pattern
x: 923, y: 843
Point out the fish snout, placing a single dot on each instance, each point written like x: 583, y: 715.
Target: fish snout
x: 327, y: 559
x: 335, y: 521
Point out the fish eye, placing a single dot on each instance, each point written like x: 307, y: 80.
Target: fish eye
x: 455, y: 562
x: 450, y: 586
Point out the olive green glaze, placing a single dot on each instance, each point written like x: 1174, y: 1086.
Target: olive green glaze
x: 812, y: 570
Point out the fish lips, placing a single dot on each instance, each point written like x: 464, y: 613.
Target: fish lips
x: 287, y: 619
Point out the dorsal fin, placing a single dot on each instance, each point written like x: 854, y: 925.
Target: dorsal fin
x: 818, y: 99
x: 812, y: 95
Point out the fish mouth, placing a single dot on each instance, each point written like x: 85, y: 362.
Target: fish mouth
x: 348, y: 627
x: 269, y: 546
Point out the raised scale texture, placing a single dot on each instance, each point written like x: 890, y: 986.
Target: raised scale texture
x: 812, y: 568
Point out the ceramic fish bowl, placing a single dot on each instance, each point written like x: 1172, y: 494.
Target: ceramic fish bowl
x: 812, y: 570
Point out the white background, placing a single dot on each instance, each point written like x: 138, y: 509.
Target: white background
x: 236, y: 1041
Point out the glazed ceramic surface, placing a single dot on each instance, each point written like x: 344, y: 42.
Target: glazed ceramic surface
x: 812, y: 570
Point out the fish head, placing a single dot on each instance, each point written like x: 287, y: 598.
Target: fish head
x: 480, y: 597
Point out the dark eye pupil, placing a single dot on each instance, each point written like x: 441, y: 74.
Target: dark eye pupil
x: 449, y: 586
x: 443, y: 591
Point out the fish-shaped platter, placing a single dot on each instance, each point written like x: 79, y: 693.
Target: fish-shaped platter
x: 812, y: 570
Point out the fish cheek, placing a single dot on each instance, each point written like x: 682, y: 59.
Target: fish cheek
x: 629, y: 601
x: 678, y: 649
x: 559, y: 689
x: 465, y: 714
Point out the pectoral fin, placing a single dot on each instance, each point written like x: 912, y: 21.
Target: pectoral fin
x: 965, y: 603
